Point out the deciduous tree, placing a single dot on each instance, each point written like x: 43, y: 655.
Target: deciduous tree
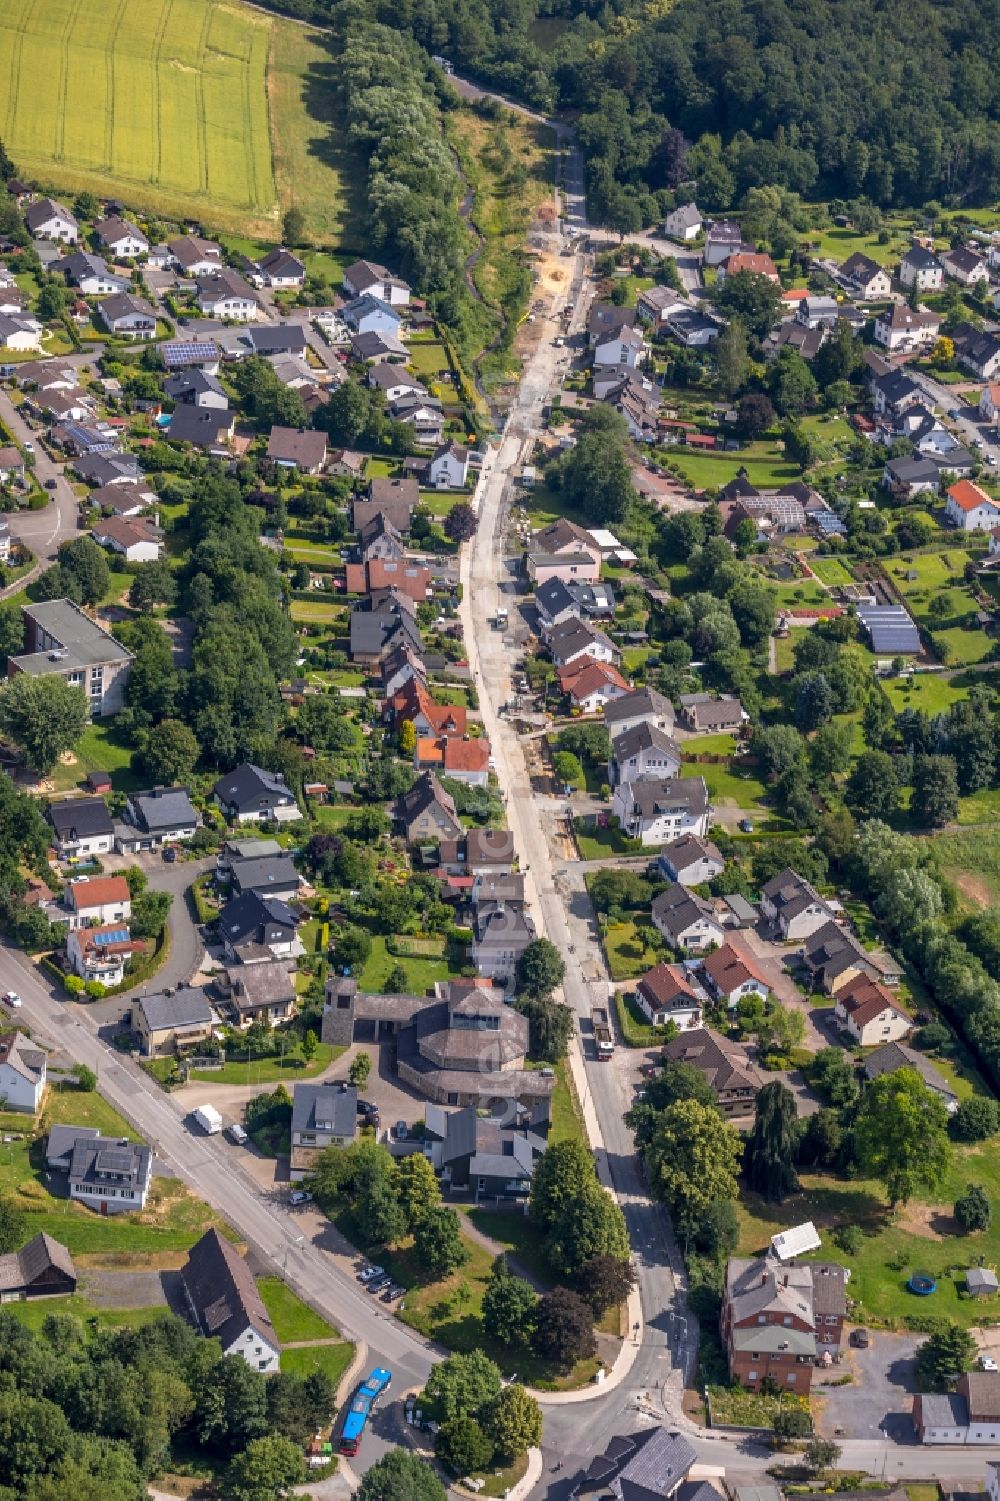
x: 900, y: 1134
x: 44, y: 716
x: 564, y: 1328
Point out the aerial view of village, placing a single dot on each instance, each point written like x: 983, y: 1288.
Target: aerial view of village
x: 499, y: 750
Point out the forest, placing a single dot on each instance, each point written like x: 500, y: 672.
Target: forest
x: 896, y: 104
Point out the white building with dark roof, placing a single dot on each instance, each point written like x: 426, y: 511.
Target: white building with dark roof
x: 226, y: 1302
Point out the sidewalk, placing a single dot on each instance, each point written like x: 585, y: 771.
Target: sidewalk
x: 625, y: 1360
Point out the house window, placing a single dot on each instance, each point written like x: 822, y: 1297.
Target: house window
x: 751, y: 1375
x: 831, y: 1318
x: 761, y: 1318
x: 791, y: 1378
x: 262, y: 1365
x: 787, y: 1319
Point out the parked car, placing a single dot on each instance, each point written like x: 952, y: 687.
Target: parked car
x: 236, y: 1133
x: 987, y: 1363
x: 50, y: 484
x: 13, y: 999
x: 299, y: 1196
x: 169, y: 854
x: 392, y: 1293
x: 860, y: 1339
x: 746, y: 826
x: 367, y: 1272
x: 376, y: 1284
x: 402, y: 1130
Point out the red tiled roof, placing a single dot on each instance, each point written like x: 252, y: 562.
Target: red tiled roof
x: 968, y: 496
x: 729, y: 967
x: 466, y: 755
x: 585, y: 676
x: 98, y: 892
x: 444, y: 719
x: 745, y: 260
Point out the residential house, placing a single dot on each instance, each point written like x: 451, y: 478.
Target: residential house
x: 427, y: 812
x: 567, y: 566
x: 368, y: 314
x: 5, y: 543
x: 489, y: 852
x: 135, y: 541
x: 249, y: 794
x: 103, y: 469
x: 722, y: 239
x: 735, y: 1081
x: 866, y: 277
x: 833, y: 958
x: 644, y: 751
x: 425, y: 414
x: 752, y: 261
x: 11, y: 465
x: 164, y: 815
x: 921, y: 268
x: 255, y: 928
x: 563, y: 536
x: 685, y: 919
x: 264, y: 991
x: 270, y: 874
x: 977, y: 350
x: 127, y: 316
x: 194, y: 256
x: 108, y: 1174
x: 901, y: 329
x: 346, y: 463
x: 793, y: 906
x: 731, y: 973
x: 817, y: 312
x: 121, y: 238
x: 465, y: 761
x: 393, y: 381
x: 965, y: 266
x: 227, y: 1304
x: 196, y: 387
x: 555, y: 602
x: 271, y: 340
x: 870, y: 1014
x: 576, y: 639
x: 657, y: 303
x: 97, y: 899
x: 501, y: 931
x: 621, y: 350
x: 41, y: 1269
x: 90, y: 274
x: 607, y: 322
x: 170, y: 1023
x: 125, y: 499
x: 669, y: 993
x: 969, y: 1415
x: 777, y: 1319
x: 381, y: 625
x: 691, y: 860
x: 892, y: 1056
x: 706, y: 714
x: 591, y: 685
x: 657, y: 811
x: 684, y: 223
x: 323, y: 1115
x: 394, y: 499
x: 301, y: 448
x: 639, y: 404
x: 895, y: 392
x: 60, y: 640
x: 206, y: 428
x: 413, y: 702
x: 20, y: 334
x: 371, y: 278
x: 639, y: 706
x: 280, y: 268
x: 487, y: 1159
x: 989, y: 403
x: 410, y: 579
x: 610, y: 381
x: 970, y: 508
x: 224, y: 294
x: 22, y: 1072
x: 48, y: 220
x: 377, y: 344
x: 191, y: 354
x: 83, y: 827
x: 908, y: 477
x: 649, y: 1466
x: 692, y: 327
x: 449, y: 467
x: 102, y: 953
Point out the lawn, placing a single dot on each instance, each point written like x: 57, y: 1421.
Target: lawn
x: 33, y: 1315
x: 328, y: 817
x: 324, y: 607
x: 920, y: 1237
x: 728, y: 786
x: 597, y: 842
x: 765, y: 466
x: 333, y: 1359
x: 567, y: 1117
x: 972, y: 861
x: 627, y: 948
x: 294, y: 1321
x: 927, y: 691
x: 839, y: 244
x: 421, y: 973
x: 519, y: 1236
x: 980, y: 807
x: 162, y: 101
x: 100, y: 748
x: 271, y: 1070
x: 66, y: 1106
x: 831, y: 571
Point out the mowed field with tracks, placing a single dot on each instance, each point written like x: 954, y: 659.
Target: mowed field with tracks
x: 164, y: 103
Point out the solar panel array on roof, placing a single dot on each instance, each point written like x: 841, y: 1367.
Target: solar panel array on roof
x: 113, y: 935
x: 114, y: 1160
x: 830, y: 524
x: 891, y: 629
x: 180, y: 353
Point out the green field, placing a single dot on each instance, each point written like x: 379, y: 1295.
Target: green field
x: 176, y: 106
x: 830, y: 570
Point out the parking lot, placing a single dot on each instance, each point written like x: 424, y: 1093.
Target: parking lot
x: 880, y: 1397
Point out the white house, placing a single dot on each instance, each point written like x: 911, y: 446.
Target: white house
x: 22, y: 1072
x: 656, y: 812
x: 624, y: 347
x: 989, y: 403
x: 82, y: 826
x: 575, y: 639
x: 377, y: 281
x: 227, y: 1304
x: 867, y: 1011
x: 970, y: 508
x: 108, y: 1174
x: 101, y: 953
x: 449, y: 467
x: 135, y: 541
x: 965, y: 266
x: 921, y: 268
x: 98, y: 899
x: 684, y: 223
x: 692, y: 861
x: 668, y: 993
x: 901, y: 329
x: 792, y: 905
x: 730, y: 974
x: 121, y: 237
x: 20, y: 333
x: 643, y: 751
x: 48, y: 220
x: 686, y: 920
x: 225, y: 294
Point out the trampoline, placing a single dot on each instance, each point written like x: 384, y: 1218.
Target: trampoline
x: 923, y: 1284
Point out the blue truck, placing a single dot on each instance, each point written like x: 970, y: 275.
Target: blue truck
x: 360, y: 1410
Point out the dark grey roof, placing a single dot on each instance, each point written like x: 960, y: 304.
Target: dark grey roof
x: 81, y: 818
x: 106, y: 468
x: 122, y: 305
x: 269, y: 873
x: 251, y: 914
x: 20, y: 1269
x: 914, y: 470
x: 279, y: 262
x: 256, y: 985
x: 663, y: 793
x: 943, y: 1410
x: 249, y: 784
x: 223, y: 1293
x: 644, y: 736
x: 190, y: 383
x: 425, y: 791
x: 688, y: 850
x: 677, y: 909
x: 276, y: 338
x: 61, y: 1140
x: 639, y: 701
x: 325, y: 1108
x: 893, y: 1055
x: 890, y: 628
x: 896, y: 385
x: 103, y: 1159
x: 456, y: 1129
x: 921, y: 259
x: 658, y: 1468
x: 554, y: 596
x: 187, y: 1007
x: 198, y: 425
x: 164, y: 808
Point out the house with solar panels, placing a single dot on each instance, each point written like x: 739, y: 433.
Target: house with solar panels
x: 191, y: 354
x: 108, y: 1173
x: 101, y: 953
x: 891, y: 630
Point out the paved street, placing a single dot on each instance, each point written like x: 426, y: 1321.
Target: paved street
x: 41, y: 531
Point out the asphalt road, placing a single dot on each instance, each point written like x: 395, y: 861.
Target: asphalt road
x: 41, y: 531
x: 967, y: 424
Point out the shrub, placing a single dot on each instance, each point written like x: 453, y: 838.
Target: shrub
x: 850, y: 1239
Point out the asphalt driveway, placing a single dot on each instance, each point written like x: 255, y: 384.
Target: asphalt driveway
x: 879, y: 1399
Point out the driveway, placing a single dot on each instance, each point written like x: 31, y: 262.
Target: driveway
x: 41, y: 531
x: 879, y: 1399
